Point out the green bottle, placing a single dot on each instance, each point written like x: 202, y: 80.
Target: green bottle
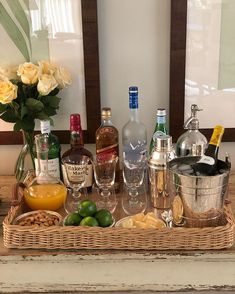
x: 160, y: 128
x: 54, y: 151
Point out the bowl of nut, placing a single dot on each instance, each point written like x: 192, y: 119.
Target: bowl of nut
x: 38, y: 218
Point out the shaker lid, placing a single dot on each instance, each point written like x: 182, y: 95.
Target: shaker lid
x: 162, y: 141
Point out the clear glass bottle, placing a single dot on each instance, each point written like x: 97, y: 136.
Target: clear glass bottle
x: 134, y: 134
x: 76, y: 150
x: 160, y: 127
x: 53, y: 153
x: 44, y: 192
x: 107, y: 141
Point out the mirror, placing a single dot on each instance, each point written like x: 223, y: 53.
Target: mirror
x: 201, y: 65
x: 69, y: 37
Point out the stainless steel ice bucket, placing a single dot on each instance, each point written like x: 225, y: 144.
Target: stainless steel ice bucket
x: 202, y: 196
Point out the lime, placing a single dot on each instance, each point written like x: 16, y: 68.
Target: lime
x: 104, y: 217
x: 87, y: 208
x: 89, y: 221
x: 72, y: 219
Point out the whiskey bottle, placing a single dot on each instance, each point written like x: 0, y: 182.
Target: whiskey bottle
x: 207, y: 165
x: 107, y: 140
x: 76, y: 150
x: 53, y: 152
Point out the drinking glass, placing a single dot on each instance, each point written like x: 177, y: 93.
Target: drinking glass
x: 76, y: 170
x: 104, y: 172
x: 133, y: 173
x: 134, y: 196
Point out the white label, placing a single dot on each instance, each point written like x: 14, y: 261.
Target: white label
x: 207, y: 159
x: 53, y: 167
x: 75, y: 173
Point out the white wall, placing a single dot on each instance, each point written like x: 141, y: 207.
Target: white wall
x: 134, y: 46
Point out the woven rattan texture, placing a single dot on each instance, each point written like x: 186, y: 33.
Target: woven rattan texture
x: 59, y: 237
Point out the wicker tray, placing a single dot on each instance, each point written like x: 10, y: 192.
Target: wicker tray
x: 58, y: 237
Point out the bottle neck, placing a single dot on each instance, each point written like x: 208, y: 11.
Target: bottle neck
x: 134, y: 114
x: 76, y: 139
x: 106, y: 121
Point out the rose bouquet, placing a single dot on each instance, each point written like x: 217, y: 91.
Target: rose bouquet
x: 27, y: 93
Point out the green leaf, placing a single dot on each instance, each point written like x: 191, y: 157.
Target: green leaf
x: 13, y: 32
x: 27, y: 124
x: 42, y: 116
x: 23, y: 111
x: 54, y: 92
x: 17, y: 126
x: 50, y: 111
x: 52, y: 101
x: 3, y: 107
x: 9, y: 116
x: 34, y: 104
x: 15, y: 105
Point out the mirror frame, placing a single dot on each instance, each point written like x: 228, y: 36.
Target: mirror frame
x: 177, y: 73
x: 92, y: 81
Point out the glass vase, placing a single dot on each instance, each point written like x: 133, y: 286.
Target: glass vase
x: 25, y: 160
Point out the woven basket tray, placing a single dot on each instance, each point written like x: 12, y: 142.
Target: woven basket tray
x: 58, y: 237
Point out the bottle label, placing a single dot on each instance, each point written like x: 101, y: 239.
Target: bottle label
x: 161, y: 119
x: 76, y: 173
x: 207, y: 159
x: 104, y: 153
x: 133, y: 101
x: 53, y: 166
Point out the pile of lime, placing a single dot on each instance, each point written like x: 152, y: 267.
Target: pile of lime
x: 88, y: 215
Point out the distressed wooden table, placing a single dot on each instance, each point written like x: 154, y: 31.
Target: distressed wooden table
x: 82, y: 271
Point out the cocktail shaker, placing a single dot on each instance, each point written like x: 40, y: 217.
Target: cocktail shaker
x: 162, y: 153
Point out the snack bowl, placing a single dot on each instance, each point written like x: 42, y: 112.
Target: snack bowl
x: 38, y: 218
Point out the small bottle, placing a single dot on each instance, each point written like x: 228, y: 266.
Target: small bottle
x: 107, y: 140
x: 53, y: 152
x: 134, y: 134
x: 192, y: 142
x: 160, y: 128
x: 207, y: 165
x: 77, y: 149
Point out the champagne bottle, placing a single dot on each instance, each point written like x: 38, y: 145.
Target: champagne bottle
x: 207, y: 165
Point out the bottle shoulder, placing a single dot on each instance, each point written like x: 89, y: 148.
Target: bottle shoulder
x: 73, y: 151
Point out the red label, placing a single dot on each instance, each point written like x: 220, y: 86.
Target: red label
x: 104, y: 153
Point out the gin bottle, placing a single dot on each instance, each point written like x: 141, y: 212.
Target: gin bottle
x: 134, y: 134
x: 53, y: 152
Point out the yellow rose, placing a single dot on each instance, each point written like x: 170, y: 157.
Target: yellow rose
x: 8, y: 73
x: 8, y: 92
x: 46, y: 84
x: 28, y: 73
x: 63, y: 77
x: 46, y: 67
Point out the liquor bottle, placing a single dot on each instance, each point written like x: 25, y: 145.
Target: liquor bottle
x: 160, y: 127
x: 53, y: 152
x: 76, y: 150
x: 207, y: 165
x: 134, y: 134
x: 107, y: 140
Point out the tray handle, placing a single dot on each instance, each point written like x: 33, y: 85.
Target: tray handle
x: 17, y: 193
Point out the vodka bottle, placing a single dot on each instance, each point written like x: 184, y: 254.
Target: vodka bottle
x: 134, y: 134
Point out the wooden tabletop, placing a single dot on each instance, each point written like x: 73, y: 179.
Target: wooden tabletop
x: 112, y: 270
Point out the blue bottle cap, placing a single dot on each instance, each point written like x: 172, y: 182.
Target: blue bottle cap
x: 133, y: 97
